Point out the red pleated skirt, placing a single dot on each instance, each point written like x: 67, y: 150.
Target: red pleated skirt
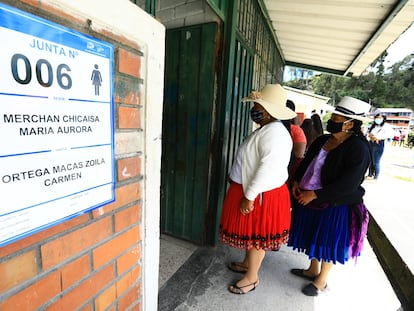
x: 266, y: 227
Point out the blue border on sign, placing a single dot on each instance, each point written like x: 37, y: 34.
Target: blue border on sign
x: 24, y: 22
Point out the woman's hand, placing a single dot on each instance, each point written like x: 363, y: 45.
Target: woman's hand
x: 306, y: 197
x: 246, y: 206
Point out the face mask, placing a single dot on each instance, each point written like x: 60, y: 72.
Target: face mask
x: 335, y: 127
x: 256, y: 115
x: 378, y: 121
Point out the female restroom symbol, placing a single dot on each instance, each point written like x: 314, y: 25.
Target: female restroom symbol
x: 96, y: 79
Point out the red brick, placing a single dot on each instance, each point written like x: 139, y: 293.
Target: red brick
x: 130, y: 298
x: 129, y: 63
x: 17, y: 269
x: 128, y: 217
x: 123, y: 195
x: 85, y: 291
x: 42, y: 235
x: 128, y: 260
x: 34, y: 296
x: 129, y: 118
x: 128, y: 280
x: 114, y: 247
x: 128, y: 168
x: 88, y: 307
x: 34, y: 3
x: 71, y: 244
x: 105, y: 299
x: 127, y: 91
x: 75, y: 271
x: 137, y: 307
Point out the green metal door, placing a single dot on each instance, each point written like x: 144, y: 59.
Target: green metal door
x: 251, y: 60
x: 189, y: 98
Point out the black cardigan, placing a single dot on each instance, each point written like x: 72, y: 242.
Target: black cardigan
x: 343, y: 171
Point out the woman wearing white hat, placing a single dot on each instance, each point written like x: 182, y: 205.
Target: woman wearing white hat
x: 329, y: 218
x: 256, y: 210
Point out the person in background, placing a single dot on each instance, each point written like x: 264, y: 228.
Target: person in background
x: 317, y: 123
x: 298, y: 139
x: 310, y: 131
x: 329, y: 218
x: 256, y: 210
x: 396, y: 138
x: 402, y: 138
x: 378, y: 133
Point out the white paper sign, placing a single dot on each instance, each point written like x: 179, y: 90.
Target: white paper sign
x: 56, y: 124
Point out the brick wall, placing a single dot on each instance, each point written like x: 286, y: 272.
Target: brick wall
x: 93, y: 261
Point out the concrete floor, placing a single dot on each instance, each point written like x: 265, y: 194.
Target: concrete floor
x: 196, y: 278
x: 174, y: 253
x: 201, y: 282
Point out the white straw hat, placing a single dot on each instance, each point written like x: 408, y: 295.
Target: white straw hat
x: 273, y: 99
x: 352, y: 108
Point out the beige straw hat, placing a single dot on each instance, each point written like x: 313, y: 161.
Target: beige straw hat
x: 273, y: 98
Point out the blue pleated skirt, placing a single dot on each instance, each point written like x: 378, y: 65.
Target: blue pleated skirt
x: 321, y: 234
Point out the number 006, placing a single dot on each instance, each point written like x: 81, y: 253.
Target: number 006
x: 63, y: 78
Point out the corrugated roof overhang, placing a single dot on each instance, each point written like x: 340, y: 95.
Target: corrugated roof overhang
x: 337, y: 36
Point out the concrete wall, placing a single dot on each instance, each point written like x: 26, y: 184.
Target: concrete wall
x: 106, y: 259
x: 180, y: 13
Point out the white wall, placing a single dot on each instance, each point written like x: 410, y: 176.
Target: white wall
x: 124, y: 18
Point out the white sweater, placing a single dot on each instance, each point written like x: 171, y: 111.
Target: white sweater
x: 383, y: 132
x: 262, y: 160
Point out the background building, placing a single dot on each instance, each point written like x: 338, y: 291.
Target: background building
x: 401, y: 119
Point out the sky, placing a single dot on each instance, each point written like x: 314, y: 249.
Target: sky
x: 403, y: 46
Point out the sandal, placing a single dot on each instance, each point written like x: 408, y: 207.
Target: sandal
x: 235, y: 289
x: 237, y: 267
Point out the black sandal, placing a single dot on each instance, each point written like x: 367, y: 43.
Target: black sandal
x: 235, y: 289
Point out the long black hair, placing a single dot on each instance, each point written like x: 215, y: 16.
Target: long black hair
x: 317, y: 123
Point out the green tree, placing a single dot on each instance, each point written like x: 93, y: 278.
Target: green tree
x: 380, y: 86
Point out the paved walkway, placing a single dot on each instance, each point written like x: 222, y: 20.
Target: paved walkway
x: 201, y: 282
x: 391, y: 200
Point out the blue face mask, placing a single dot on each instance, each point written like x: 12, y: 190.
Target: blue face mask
x: 378, y: 121
x: 256, y: 115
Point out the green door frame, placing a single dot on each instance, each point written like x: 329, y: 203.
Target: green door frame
x: 150, y: 7
x: 220, y: 171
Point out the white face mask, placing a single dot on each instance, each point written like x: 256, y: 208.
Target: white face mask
x: 378, y: 121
